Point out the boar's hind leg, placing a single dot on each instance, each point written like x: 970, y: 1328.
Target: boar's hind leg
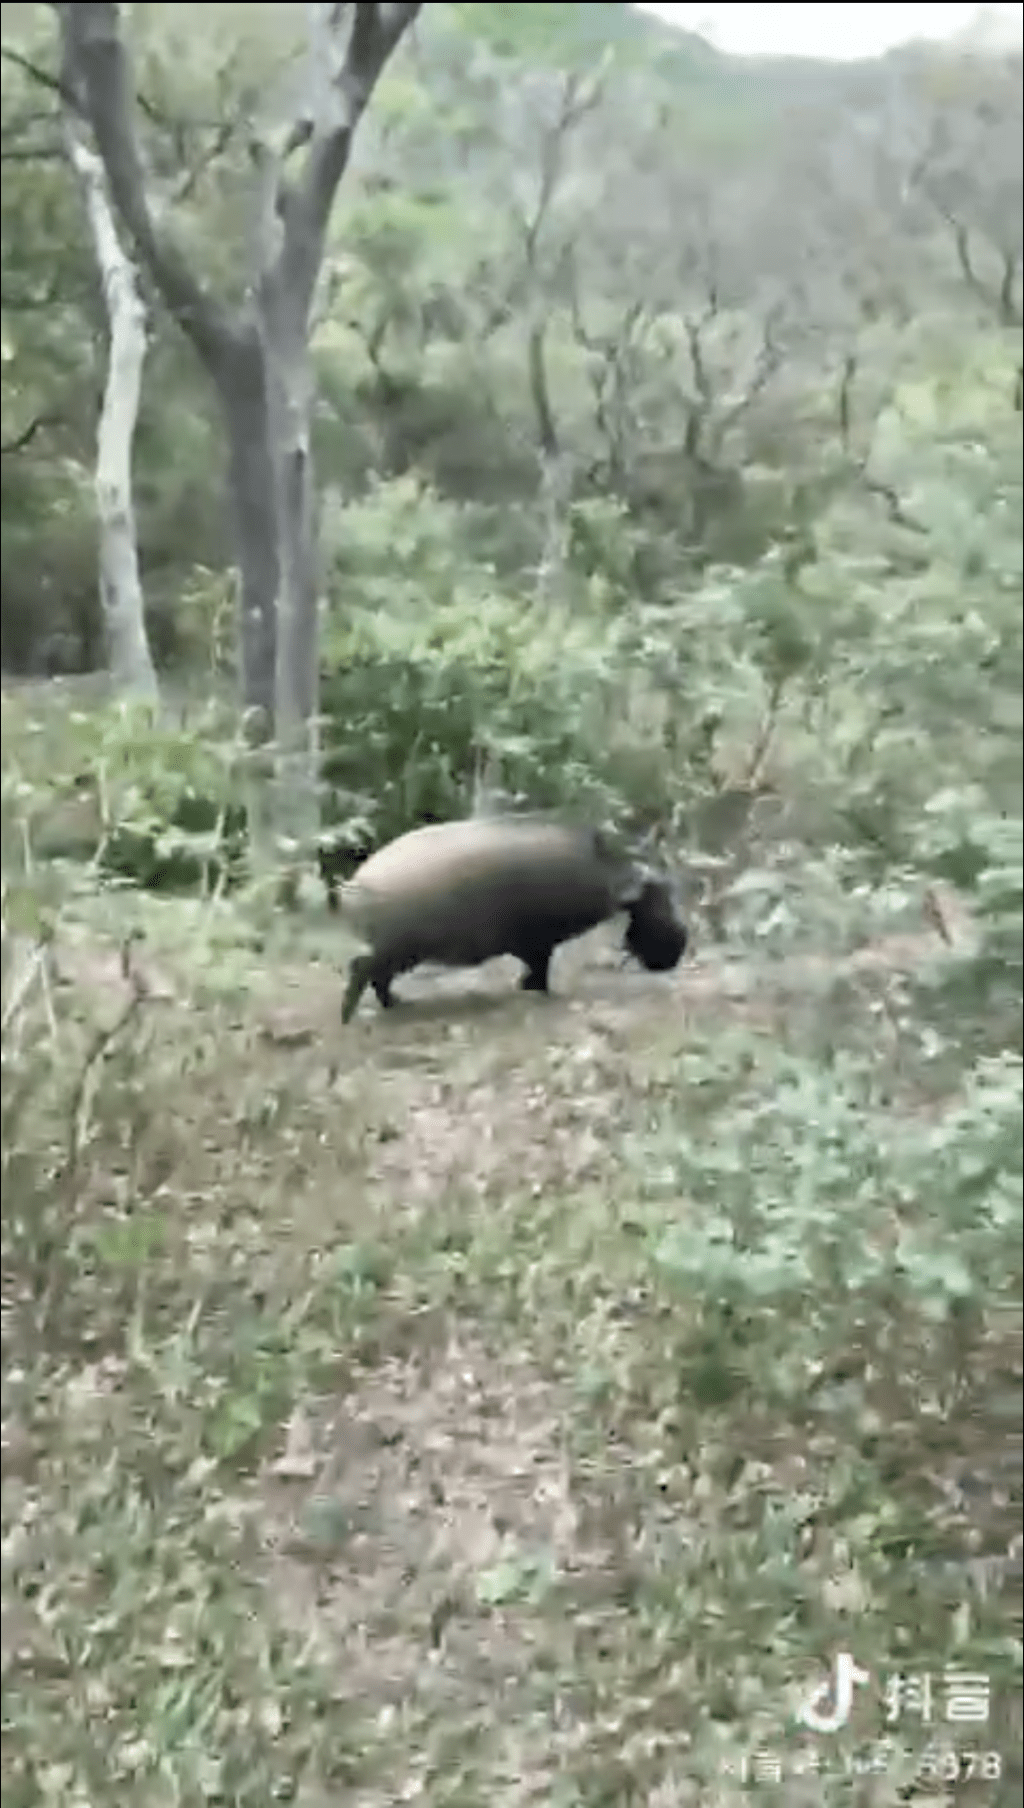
x: 366, y: 971
x: 358, y: 979
x: 536, y: 958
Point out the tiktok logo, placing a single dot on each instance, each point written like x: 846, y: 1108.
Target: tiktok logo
x: 831, y: 1704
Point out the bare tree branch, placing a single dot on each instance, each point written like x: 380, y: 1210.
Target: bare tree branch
x: 540, y: 394
x: 58, y: 85
x: 607, y: 354
x: 580, y: 94
x: 1002, y: 296
x: 766, y: 365
x: 343, y: 77
x: 27, y: 434
x: 846, y: 382
x: 969, y: 173
x: 221, y: 138
x: 96, y: 70
x: 875, y: 486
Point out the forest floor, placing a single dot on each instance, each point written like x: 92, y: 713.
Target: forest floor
x: 355, y: 1463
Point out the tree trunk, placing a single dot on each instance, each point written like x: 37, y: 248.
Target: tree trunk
x: 241, y: 392
x: 121, y: 598
x: 263, y: 377
x: 283, y: 327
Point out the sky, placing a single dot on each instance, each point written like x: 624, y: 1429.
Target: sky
x: 836, y: 32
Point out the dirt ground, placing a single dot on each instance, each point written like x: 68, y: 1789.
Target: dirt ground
x: 515, y: 1597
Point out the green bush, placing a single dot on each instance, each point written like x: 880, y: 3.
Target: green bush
x: 435, y: 676
x: 139, y: 800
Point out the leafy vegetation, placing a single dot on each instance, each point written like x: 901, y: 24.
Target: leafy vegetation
x: 509, y: 1399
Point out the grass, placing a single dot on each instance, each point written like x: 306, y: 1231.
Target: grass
x: 372, y: 1431
x: 358, y: 1447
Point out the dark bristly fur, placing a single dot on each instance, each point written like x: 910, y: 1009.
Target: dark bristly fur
x: 461, y: 893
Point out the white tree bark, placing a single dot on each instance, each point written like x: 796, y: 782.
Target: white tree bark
x: 121, y: 598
